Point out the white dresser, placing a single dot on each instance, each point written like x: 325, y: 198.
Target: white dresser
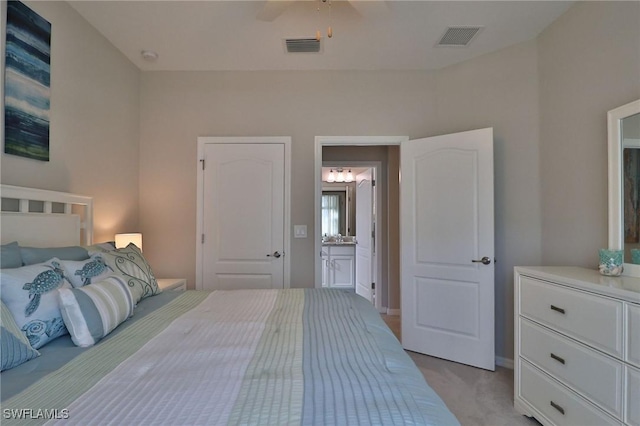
x: 577, y: 346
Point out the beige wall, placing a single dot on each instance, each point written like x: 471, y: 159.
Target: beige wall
x: 589, y: 63
x: 94, y: 129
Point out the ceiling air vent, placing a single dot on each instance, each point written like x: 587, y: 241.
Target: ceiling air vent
x: 302, y: 45
x: 458, y: 36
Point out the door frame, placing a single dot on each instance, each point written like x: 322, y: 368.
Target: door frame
x: 202, y: 141
x: 321, y: 141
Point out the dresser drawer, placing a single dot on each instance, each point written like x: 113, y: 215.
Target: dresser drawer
x: 594, y: 375
x: 633, y: 335
x: 595, y: 320
x: 557, y: 403
x: 632, y: 412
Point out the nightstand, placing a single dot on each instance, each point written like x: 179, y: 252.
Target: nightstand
x: 172, y: 284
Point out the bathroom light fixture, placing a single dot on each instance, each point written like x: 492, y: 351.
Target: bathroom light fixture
x: 339, y: 176
x: 123, y: 240
x: 349, y: 176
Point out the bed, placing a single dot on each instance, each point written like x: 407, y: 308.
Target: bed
x: 251, y: 357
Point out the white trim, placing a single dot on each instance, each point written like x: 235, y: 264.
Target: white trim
x: 24, y: 195
x: 394, y: 312
x: 321, y: 141
x: 614, y: 117
x: 504, y: 362
x: 286, y: 141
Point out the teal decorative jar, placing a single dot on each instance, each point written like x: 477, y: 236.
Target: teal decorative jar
x: 635, y: 256
x: 611, y: 262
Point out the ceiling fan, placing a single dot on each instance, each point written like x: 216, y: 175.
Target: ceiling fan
x: 272, y: 9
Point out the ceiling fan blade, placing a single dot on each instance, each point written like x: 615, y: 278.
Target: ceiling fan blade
x: 272, y: 9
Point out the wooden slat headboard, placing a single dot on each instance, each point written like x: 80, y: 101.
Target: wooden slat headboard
x: 42, y: 218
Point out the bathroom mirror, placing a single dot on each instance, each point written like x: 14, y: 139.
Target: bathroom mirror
x: 336, y: 210
x: 624, y: 183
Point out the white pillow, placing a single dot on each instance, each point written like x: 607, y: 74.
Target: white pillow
x: 29, y: 294
x: 91, y: 312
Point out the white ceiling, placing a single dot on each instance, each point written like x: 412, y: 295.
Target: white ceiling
x: 368, y: 35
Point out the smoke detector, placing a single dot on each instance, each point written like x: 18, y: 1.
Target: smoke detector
x: 149, y: 55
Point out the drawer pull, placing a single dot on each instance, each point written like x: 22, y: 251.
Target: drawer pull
x: 557, y: 407
x: 557, y: 358
x: 555, y: 308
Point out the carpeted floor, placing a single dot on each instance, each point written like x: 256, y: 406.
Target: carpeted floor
x: 475, y: 396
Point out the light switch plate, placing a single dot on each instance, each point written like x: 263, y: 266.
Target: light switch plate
x: 299, y: 231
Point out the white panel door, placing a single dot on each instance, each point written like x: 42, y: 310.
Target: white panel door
x: 243, y: 216
x: 364, y: 237
x: 446, y: 230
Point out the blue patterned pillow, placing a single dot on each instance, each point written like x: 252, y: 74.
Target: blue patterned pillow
x: 29, y: 294
x: 14, y: 346
x: 93, y: 311
x: 84, y: 272
x: 129, y: 264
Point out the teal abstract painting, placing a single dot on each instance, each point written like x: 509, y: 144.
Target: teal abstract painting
x: 27, y: 83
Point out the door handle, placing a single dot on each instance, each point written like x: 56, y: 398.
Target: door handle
x: 275, y: 254
x: 485, y: 260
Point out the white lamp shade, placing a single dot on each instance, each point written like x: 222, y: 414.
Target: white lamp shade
x: 123, y: 240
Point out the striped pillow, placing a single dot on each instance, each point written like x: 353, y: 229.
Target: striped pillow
x: 14, y: 346
x: 93, y: 311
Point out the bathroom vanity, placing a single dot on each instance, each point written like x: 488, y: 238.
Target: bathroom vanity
x: 339, y: 265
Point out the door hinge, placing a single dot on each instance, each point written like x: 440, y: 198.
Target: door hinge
x: 373, y: 286
x: 202, y: 239
x: 373, y: 182
x: 202, y: 162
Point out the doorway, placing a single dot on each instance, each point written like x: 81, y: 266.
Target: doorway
x: 350, y: 216
x: 447, y: 242
x: 387, y: 262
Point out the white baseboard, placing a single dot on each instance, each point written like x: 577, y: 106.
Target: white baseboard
x: 504, y: 362
x: 393, y: 311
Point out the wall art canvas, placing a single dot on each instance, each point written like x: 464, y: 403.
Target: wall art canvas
x: 631, y: 185
x: 27, y: 83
